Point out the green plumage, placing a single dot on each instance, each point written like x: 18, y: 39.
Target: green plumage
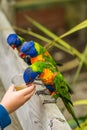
x: 46, y: 55
x: 39, y: 66
x: 40, y: 49
x: 61, y: 88
x: 45, y: 66
x: 63, y: 91
x: 21, y: 39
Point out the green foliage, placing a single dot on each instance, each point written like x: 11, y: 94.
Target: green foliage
x: 83, y: 126
x: 80, y: 65
x: 81, y: 120
x: 59, y: 41
x: 78, y: 27
x: 80, y: 102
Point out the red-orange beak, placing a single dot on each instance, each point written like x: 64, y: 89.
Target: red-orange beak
x: 28, y: 84
x: 22, y: 55
x: 13, y: 46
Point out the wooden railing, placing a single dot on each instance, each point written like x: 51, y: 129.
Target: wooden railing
x: 34, y: 115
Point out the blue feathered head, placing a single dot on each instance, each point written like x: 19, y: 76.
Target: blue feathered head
x: 29, y: 76
x: 28, y: 49
x: 14, y: 40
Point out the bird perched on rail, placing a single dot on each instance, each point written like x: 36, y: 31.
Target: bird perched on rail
x: 36, y: 53
x: 53, y: 80
x: 16, y: 41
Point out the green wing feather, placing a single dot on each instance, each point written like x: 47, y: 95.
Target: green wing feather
x: 61, y: 87
x: 39, y: 66
x: 41, y: 50
x: 62, y: 90
x: 70, y: 109
x: 22, y: 39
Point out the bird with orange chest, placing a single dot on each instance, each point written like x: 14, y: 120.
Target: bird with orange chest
x: 47, y: 76
x: 37, y: 58
x: 53, y: 81
x: 36, y: 52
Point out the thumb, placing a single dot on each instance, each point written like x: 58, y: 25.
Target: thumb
x: 11, y: 88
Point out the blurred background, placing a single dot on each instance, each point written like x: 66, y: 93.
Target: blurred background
x: 58, y: 16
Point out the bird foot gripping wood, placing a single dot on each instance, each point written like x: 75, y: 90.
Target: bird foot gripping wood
x: 49, y: 101
x: 42, y: 92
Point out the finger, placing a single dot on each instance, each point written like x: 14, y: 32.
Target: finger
x: 27, y: 90
x: 11, y: 88
x: 27, y: 97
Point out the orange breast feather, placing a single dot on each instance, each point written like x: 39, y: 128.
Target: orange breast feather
x: 37, y: 58
x: 47, y: 76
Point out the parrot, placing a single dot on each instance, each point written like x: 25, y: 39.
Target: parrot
x: 53, y: 80
x: 16, y: 41
x: 36, y: 52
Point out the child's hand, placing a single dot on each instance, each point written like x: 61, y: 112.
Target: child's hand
x: 12, y: 100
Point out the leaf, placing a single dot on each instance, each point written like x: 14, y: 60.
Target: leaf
x: 80, y: 65
x: 80, y: 102
x: 29, y: 32
x: 49, y: 33
x: 76, y: 28
x: 57, y: 39
x: 73, y: 124
x: 33, y: 4
x: 83, y: 126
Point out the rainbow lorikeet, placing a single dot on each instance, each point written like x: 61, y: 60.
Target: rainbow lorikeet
x: 36, y: 52
x: 53, y: 80
x: 16, y: 41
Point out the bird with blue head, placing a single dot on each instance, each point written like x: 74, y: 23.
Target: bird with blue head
x: 36, y: 52
x: 15, y: 41
x: 53, y: 80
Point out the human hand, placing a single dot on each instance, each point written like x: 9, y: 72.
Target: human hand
x: 12, y: 100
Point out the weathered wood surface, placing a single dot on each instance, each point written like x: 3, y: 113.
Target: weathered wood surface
x: 33, y: 115
x: 8, y: 6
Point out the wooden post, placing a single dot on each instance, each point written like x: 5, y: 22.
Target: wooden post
x: 8, y: 8
x: 33, y: 115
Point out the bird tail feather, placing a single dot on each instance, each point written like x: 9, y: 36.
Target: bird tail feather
x: 71, y: 111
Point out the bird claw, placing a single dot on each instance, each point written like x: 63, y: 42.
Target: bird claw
x: 49, y: 101
x: 42, y: 92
